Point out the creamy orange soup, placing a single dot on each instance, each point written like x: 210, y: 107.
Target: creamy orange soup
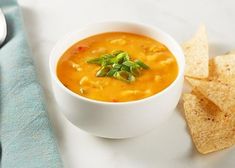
x: 79, y: 76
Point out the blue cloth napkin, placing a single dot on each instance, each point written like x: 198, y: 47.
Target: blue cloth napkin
x: 27, y: 140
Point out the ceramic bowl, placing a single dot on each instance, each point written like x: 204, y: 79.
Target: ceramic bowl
x: 117, y: 120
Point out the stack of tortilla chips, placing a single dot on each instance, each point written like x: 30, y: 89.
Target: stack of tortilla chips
x: 210, y: 107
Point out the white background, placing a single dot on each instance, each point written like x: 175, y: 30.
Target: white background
x: 167, y: 146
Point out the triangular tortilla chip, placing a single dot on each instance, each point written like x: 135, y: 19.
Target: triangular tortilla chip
x: 196, y: 55
x: 222, y: 68
x: 223, y: 95
x: 211, y: 130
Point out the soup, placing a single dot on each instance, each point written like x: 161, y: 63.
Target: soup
x: 117, y: 67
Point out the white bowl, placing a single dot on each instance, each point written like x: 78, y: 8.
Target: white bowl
x: 117, y: 120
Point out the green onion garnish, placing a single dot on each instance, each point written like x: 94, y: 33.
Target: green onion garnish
x: 118, y: 65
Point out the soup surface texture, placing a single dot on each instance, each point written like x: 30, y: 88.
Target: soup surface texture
x: 79, y: 76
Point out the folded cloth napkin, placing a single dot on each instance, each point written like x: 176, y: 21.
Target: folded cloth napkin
x: 26, y: 138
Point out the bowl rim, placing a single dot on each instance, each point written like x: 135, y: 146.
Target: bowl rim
x: 77, y: 96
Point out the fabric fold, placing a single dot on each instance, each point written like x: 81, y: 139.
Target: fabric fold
x: 27, y: 139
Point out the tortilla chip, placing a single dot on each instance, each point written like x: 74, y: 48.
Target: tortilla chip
x: 212, y: 71
x: 196, y: 55
x: 221, y: 94
x: 211, y: 130
x: 222, y: 68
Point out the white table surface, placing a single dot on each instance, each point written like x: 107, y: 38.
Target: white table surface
x: 167, y: 146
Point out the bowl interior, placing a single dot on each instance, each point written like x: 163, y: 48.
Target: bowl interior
x: 98, y: 28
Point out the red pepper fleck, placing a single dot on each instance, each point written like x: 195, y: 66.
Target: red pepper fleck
x: 82, y: 48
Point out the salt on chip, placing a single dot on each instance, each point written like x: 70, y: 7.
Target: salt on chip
x: 196, y: 55
x: 221, y: 94
x: 211, y: 130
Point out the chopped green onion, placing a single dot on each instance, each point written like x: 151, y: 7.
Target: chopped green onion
x: 141, y: 64
x: 118, y: 65
x: 125, y: 68
x: 124, y: 76
x: 107, y: 56
x: 112, y: 72
x: 135, y: 71
x: 95, y: 61
x: 129, y: 63
x: 122, y: 57
x: 103, y: 71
